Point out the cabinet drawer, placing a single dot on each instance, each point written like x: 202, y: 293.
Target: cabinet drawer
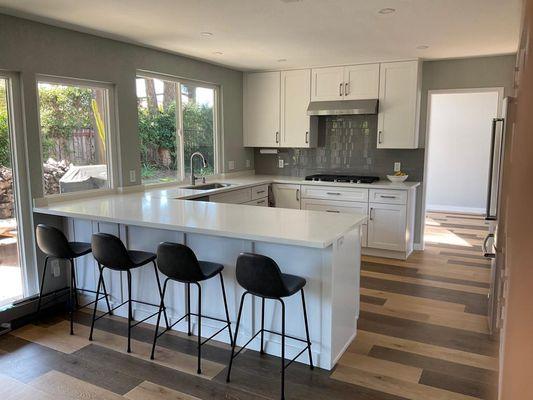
x: 258, y: 202
x: 235, y: 196
x: 388, y: 196
x: 334, y: 193
x: 259, y: 192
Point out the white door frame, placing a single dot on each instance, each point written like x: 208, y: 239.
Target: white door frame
x: 499, y: 90
x: 21, y: 187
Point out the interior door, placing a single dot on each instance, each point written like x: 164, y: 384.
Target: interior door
x: 327, y: 84
x: 295, y: 97
x: 386, y: 226
x: 262, y: 109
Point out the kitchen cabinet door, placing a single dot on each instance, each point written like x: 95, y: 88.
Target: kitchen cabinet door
x: 286, y: 195
x: 327, y: 84
x: 399, y: 105
x: 348, y: 207
x: 387, y: 226
x: 295, y: 97
x: 361, y: 82
x: 262, y: 109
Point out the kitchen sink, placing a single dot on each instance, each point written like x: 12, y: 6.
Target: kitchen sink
x: 208, y: 186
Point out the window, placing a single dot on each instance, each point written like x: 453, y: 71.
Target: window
x: 165, y: 148
x: 75, y: 136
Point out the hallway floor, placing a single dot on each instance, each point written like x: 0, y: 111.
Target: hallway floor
x: 422, y: 336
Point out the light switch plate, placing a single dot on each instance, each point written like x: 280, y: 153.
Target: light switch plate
x: 231, y: 165
x: 397, y: 166
x: 281, y: 163
x: 132, y: 175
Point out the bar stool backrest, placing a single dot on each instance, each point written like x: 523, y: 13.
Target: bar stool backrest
x: 110, y: 252
x: 260, y: 275
x: 52, y: 242
x: 178, y: 262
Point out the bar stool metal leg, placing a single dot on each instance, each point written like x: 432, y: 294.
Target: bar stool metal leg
x: 189, y: 309
x: 42, y: 285
x: 307, y: 332
x: 71, y: 297
x: 73, y: 278
x: 262, y: 323
x: 100, y: 279
x: 109, y: 310
x: 235, y: 337
x: 160, y: 293
x: 199, y: 370
x: 161, y: 306
x: 129, y: 311
x: 226, y: 308
x: 282, y: 349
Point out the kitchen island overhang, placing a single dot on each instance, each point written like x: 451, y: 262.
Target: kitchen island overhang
x: 323, y: 248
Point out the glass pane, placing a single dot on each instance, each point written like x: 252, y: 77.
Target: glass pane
x: 198, y: 126
x: 156, y: 106
x: 10, y: 268
x: 74, y: 137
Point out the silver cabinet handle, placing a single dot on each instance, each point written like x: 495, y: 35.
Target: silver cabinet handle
x: 333, y: 211
x: 297, y: 194
x: 370, y: 213
x: 380, y: 140
x: 277, y: 137
x: 387, y: 197
x: 346, y: 89
x: 260, y: 191
x: 306, y: 137
x: 333, y: 193
x: 260, y: 202
x: 340, y: 89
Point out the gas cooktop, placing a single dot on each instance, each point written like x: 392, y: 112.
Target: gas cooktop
x: 342, y: 178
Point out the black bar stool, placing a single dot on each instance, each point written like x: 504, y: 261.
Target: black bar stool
x: 260, y: 276
x: 110, y: 252
x: 179, y: 263
x: 53, y: 243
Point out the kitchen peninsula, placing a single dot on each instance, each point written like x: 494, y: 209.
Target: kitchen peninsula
x: 324, y: 248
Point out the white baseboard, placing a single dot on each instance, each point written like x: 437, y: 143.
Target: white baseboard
x: 418, y: 246
x: 457, y: 209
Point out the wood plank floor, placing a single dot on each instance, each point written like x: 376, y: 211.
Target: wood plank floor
x: 422, y: 336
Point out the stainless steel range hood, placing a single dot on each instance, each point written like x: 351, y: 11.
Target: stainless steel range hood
x: 343, y: 107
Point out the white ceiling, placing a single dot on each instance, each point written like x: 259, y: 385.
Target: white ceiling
x: 255, y: 34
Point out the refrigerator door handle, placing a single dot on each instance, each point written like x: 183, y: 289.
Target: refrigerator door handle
x: 488, y: 215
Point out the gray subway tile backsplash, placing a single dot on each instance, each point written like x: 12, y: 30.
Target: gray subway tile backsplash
x: 347, y: 145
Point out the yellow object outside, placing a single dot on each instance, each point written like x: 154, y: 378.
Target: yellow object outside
x: 99, y: 122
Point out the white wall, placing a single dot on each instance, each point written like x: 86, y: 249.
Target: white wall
x: 459, y: 150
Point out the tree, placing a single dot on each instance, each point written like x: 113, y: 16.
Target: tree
x: 5, y: 150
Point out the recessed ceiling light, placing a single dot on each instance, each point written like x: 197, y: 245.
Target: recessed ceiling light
x: 206, y: 34
x: 422, y: 47
x: 291, y: 1
x: 282, y: 60
x: 387, y: 11
x: 217, y: 53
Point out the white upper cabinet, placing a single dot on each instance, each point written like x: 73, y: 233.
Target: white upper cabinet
x: 399, y: 105
x: 261, y: 108
x: 327, y: 84
x: 361, y: 82
x: 353, y: 82
x: 295, y: 97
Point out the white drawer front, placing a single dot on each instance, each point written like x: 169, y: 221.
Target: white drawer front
x: 349, y: 207
x: 388, y: 196
x: 259, y: 192
x: 258, y: 202
x: 235, y: 196
x: 334, y: 193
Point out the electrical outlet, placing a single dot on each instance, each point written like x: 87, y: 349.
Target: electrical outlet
x: 231, y: 165
x: 56, y: 271
x: 281, y: 163
x: 248, y: 163
x: 132, y: 175
x: 397, y: 166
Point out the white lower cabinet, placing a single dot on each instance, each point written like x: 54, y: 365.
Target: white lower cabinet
x: 349, y: 207
x: 387, y: 225
x: 286, y: 195
x: 260, y: 202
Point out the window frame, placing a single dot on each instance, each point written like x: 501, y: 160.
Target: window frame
x: 110, y: 122
x: 180, y: 146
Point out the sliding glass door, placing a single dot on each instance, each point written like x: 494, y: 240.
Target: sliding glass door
x: 11, y: 274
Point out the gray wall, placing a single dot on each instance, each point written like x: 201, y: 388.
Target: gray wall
x: 351, y: 149
x: 33, y: 48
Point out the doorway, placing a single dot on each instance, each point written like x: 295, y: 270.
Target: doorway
x: 457, y: 164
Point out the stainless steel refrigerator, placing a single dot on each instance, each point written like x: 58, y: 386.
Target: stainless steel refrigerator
x: 493, y: 245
